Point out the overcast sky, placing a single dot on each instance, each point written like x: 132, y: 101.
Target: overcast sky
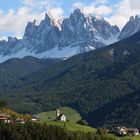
x: 14, y: 14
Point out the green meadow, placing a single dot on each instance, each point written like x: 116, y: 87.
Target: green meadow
x: 73, y: 116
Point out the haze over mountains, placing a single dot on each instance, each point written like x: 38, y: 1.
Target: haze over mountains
x: 77, y: 34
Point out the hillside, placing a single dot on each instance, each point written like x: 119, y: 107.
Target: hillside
x: 72, y: 115
x: 86, y: 82
x: 125, y: 111
x: 12, y: 115
x: 16, y: 68
x: 18, y: 131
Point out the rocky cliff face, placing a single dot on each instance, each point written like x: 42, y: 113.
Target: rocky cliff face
x: 76, y: 34
x: 131, y: 27
x: 86, y: 31
x: 6, y: 47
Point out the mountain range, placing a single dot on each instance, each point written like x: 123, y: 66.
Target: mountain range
x: 76, y: 34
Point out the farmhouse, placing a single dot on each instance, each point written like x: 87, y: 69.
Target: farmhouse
x: 35, y: 118
x: 121, y: 131
x: 126, y: 131
x: 60, y: 117
x: 133, y: 131
x: 21, y: 121
x: 5, y: 118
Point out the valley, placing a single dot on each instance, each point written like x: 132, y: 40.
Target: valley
x: 90, y: 83
x: 47, y: 120
x: 75, y: 78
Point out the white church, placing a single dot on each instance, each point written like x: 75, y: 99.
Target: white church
x: 60, y: 117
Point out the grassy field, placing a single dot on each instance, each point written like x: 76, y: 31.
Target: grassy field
x: 124, y: 138
x: 135, y: 138
x: 73, y: 116
x: 128, y: 138
x: 73, y: 126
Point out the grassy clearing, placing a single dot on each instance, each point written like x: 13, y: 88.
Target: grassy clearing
x: 72, y: 115
x: 73, y: 126
x: 126, y: 137
x: 131, y: 138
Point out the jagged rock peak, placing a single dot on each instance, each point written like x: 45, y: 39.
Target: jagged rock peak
x: 50, y: 20
x: 132, y: 18
x: 116, y: 28
x: 12, y: 39
x: 77, y: 13
x: 36, y: 22
x: 137, y: 16
x: 132, y: 26
x: 47, y: 17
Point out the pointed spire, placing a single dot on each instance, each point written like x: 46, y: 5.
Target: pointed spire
x: 49, y: 20
x: 77, y: 14
x: 47, y: 17
x: 77, y: 11
x: 116, y: 28
x: 132, y: 18
x: 36, y: 23
x: 137, y: 17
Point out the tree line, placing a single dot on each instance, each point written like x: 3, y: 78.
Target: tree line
x: 36, y: 131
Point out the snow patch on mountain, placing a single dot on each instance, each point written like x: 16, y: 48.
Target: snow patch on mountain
x: 109, y: 41
x: 56, y: 52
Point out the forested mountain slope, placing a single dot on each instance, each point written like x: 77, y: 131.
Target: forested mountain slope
x: 86, y: 82
x: 15, y: 68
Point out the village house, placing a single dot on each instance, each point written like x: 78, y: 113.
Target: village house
x: 126, y: 131
x: 133, y: 131
x: 5, y: 118
x: 60, y: 117
x: 35, y: 118
x: 121, y: 131
x: 21, y: 121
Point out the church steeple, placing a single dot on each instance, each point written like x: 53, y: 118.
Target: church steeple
x: 57, y: 113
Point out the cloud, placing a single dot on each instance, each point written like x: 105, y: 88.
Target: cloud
x: 57, y: 13
x: 135, y: 4
x: 97, y: 8
x: 101, y: 1
x: 15, y: 21
x: 41, y: 5
x: 3, y: 38
x: 123, y: 10
x: 28, y: 2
